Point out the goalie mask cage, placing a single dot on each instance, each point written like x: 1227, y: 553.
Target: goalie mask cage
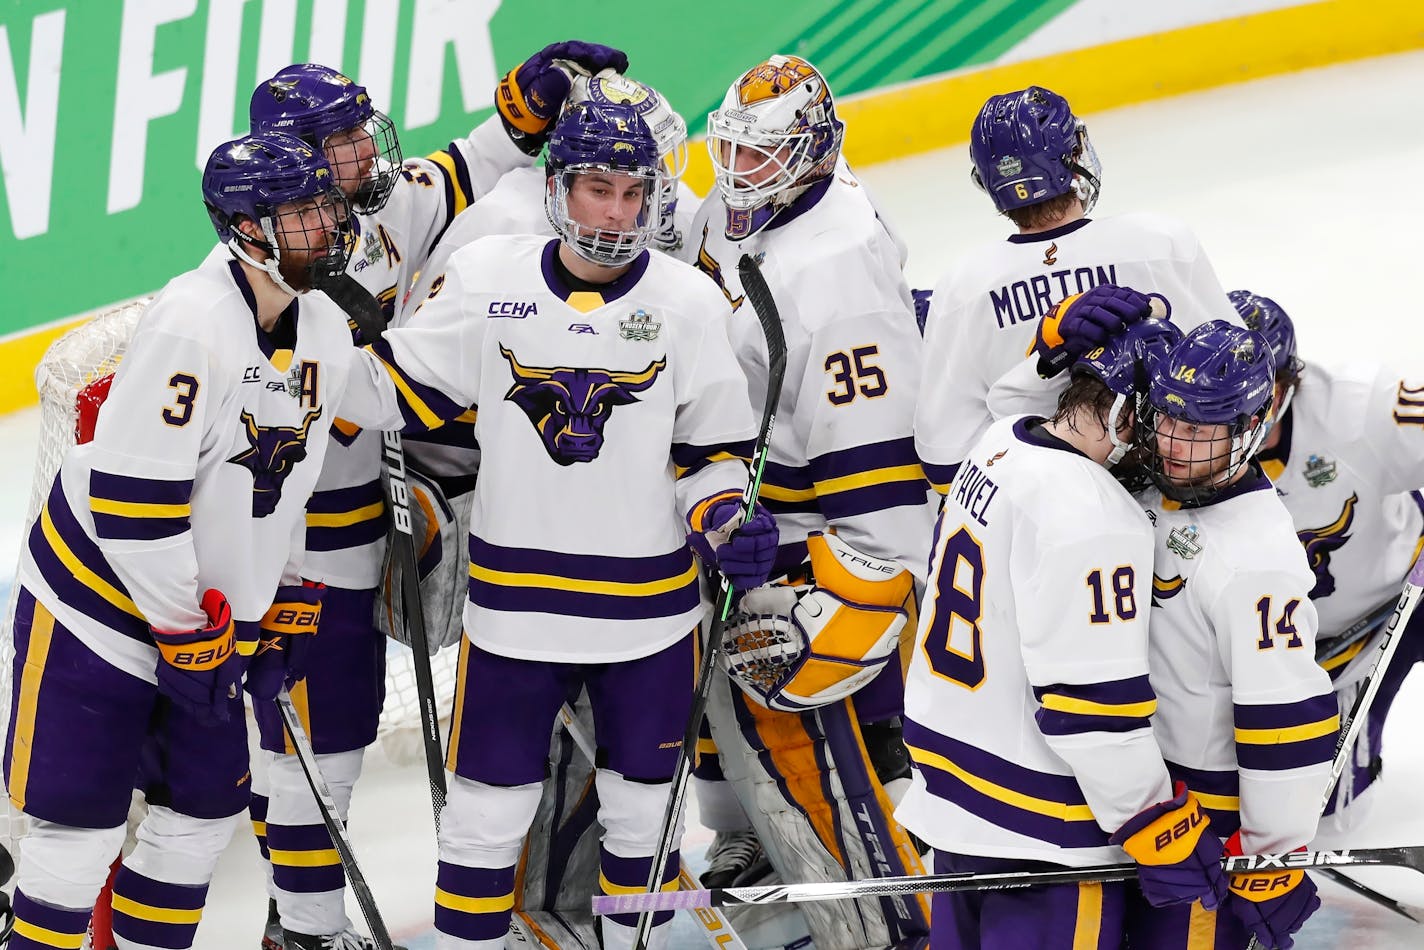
x: 66, y: 378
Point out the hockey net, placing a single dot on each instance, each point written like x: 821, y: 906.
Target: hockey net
x: 73, y: 376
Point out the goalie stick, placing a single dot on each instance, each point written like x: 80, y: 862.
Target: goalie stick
x: 1411, y: 857
x: 334, y: 826
x: 714, y: 924
x: 365, y: 312
x: 754, y: 285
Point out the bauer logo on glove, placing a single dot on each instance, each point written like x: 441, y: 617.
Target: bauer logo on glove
x: 800, y: 647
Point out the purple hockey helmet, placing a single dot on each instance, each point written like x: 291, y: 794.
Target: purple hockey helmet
x: 327, y: 110
x: 1028, y: 146
x: 1216, y: 375
x: 1268, y: 318
x: 603, y: 138
x: 1124, y: 365
x: 264, y: 177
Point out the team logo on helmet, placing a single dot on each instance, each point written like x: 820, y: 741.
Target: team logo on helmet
x: 569, y: 406
x: 1009, y: 166
x: 280, y: 88
x: 773, y: 78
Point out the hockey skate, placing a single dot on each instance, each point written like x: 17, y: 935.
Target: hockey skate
x: 732, y: 857
x: 348, y: 939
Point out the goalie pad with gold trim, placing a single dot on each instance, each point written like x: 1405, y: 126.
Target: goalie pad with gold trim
x: 441, y: 528
x: 793, y: 647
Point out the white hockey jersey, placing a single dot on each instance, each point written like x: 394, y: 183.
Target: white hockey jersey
x: 203, y: 458
x: 841, y: 451
x: 985, y: 310
x: 1349, y: 466
x: 1244, y: 715
x: 1027, y: 699
x: 346, y: 523
x: 608, y: 419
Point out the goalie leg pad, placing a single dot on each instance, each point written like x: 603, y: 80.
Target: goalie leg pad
x: 482, y: 830
x: 339, y: 701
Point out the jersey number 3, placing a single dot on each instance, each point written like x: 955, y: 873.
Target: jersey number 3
x: 185, y: 390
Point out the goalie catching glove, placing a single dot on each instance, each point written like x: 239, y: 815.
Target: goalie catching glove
x: 287, y: 630
x: 199, y: 669
x: 797, y: 647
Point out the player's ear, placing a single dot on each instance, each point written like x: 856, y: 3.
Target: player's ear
x: 250, y: 228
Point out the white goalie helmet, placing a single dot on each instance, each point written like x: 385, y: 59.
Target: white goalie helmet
x: 668, y: 128
x: 775, y: 133
x: 797, y: 647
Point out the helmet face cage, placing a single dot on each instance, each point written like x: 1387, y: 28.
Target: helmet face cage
x: 782, y: 115
x: 611, y: 140
x: 286, y: 188
x: 1207, y: 411
x: 1027, y: 147
x: 328, y: 110
x: 1124, y: 365
x: 668, y: 127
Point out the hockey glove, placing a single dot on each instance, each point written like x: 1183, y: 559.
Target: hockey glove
x: 287, y: 631
x: 1272, y: 904
x: 1078, y: 323
x: 531, y: 94
x: 743, y: 551
x: 1178, y: 858
x: 200, y: 669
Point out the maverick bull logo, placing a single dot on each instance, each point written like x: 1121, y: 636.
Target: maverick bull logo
x: 271, y: 454
x: 1320, y: 543
x: 569, y: 406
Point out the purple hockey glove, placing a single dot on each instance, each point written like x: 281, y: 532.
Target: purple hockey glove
x: 1272, y: 904
x: 922, y: 307
x: 287, y: 631
x: 200, y: 669
x: 1078, y: 323
x: 1178, y: 858
x: 743, y: 551
x: 531, y: 94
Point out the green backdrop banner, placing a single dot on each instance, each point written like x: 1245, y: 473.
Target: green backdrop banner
x: 109, y: 107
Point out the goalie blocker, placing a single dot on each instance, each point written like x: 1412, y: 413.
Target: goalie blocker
x: 812, y: 781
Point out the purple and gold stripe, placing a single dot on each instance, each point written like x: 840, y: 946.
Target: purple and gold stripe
x: 1037, y: 804
x: 1280, y: 736
x: 257, y: 812
x: 690, y: 459
x: 939, y: 476
x: 530, y: 580
x: 787, y: 489
x: 42, y: 925
x: 77, y: 571
x: 630, y: 876
x: 1218, y: 791
x: 473, y: 903
x: 1067, y: 709
x: 868, y: 478
x: 304, y: 861
x: 459, y: 193
x: 343, y: 518
x: 139, y: 508
x: 422, y: 407
x: 155, y: 913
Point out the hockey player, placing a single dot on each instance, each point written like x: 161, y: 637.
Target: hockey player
x: 1033, y: 158
x: 1036, y: 627
x: 848, y: 493
x: 402, y: 207
x: 169, y: 546
x: 615, y: 420
x: 1244, y: 715
x: 1346, y: 455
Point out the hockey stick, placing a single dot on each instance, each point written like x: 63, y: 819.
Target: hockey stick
x: 1411, y: 856
x: 1355, y: 632
x: 754, y: 285
x: 366, y: 313
x: 334, y: 826
x: 715, y: 926
x: 1355, y: 719
x: 1415, y: 914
